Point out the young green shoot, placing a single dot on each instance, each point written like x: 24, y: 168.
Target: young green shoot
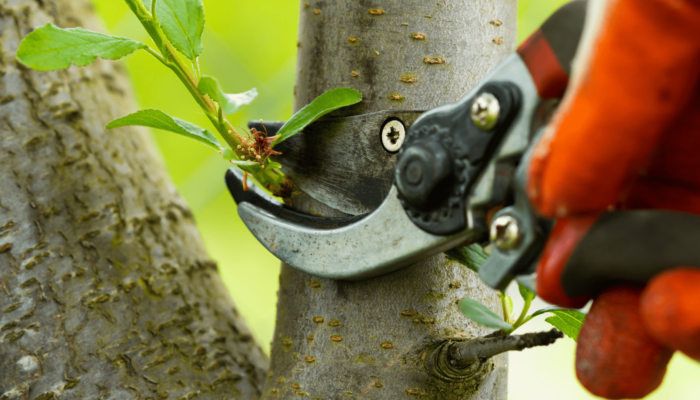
x: 566, y: 320
x: 176, y: 28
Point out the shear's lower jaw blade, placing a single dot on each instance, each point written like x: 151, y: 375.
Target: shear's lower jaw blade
x: 379, y: 243
x: 257, y: 196
x: 263, y: 202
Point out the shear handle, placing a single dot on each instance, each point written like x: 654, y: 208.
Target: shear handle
x: 550, y: 50
x: 632, y: 247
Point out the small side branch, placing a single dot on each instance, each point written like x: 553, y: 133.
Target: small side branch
x: 461, y: 354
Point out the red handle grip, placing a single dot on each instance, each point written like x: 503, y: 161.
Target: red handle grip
x: 549, y: 52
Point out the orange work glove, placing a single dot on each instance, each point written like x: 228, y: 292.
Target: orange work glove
x: 626, y: 137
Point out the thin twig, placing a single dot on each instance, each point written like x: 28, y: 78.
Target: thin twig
x: 462, y: 354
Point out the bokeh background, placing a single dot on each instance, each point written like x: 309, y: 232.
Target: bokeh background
x: 252, y: 43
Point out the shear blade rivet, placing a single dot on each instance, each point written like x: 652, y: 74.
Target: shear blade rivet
x: 485, y: 111
x: 505, y: 232
x: 393, y: 135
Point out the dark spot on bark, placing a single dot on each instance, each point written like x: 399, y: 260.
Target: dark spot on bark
x: 8, y: 325
x: 12, y: 336
x: 28, y: 283
x: 71, y: 384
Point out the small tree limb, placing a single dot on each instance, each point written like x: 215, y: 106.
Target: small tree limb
x: 461, y: 354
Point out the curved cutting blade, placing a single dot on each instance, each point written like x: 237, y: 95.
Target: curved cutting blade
x: 340, y: 161
x: 339, y: 248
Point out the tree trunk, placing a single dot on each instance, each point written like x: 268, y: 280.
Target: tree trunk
x: 380, y: 338
x: 105, y: 288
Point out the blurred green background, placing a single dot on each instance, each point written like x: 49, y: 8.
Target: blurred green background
x: 252, y: 43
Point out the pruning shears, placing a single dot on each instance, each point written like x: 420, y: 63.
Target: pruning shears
x: 460, y: 178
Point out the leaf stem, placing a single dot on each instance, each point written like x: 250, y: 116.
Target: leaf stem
x: 139, y: 9
x: 176, y: 64
x: 526, y: 320
x: 506, y: 317
x: 522, y: 318
x: 157, y: 56
x: 195, y: 68
x: 153, y: 12
x: 207, y: 104
x: 221, y: 116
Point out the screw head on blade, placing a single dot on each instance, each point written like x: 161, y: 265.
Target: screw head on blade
x: 505, y: 232
x: 393, y: 135
x: 485, y: 111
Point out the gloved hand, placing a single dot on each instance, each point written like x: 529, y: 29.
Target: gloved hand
x: 626, y: 137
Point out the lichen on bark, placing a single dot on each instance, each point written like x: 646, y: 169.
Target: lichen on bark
x: 106, y: 290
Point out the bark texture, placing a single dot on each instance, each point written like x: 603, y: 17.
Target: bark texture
x: 385, y: 338
x: 429, y: 53
x: 105, y: 288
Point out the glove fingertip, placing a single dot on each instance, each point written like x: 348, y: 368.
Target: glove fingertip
x: 669, y: 310
x: 616, y: 358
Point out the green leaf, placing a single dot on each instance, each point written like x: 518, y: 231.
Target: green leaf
x: 509, y: 307
x: 551, y: 309
x: 527, y: 294
x: 228, y: 154
x: 241, y: 163
x: 252, y: 167
x: 479, y: 313
x: 566, y: 320
x: 565, y: 325
x: 183, y: 23
x: 471, y: 256
x: 230, y: 103
x: 274, y: 165
x: 160, y: 120
x: 231, y: 156
x: 249, y: 168
x: 322, y: 105
x: 49, y: 48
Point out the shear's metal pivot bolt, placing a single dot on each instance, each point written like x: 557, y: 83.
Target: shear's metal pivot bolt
x: 485, y: 111
x: 421, y: 167
x: 393, y: 135
x: 505, y: 232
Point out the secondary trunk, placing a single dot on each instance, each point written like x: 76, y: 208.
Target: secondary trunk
x: 381, y: 338
x: 105, y: 288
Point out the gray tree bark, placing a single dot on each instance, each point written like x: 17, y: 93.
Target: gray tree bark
x: 383, y: 338
x: 105, y: 288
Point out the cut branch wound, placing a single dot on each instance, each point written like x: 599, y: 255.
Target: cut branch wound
x: 462, y: 354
